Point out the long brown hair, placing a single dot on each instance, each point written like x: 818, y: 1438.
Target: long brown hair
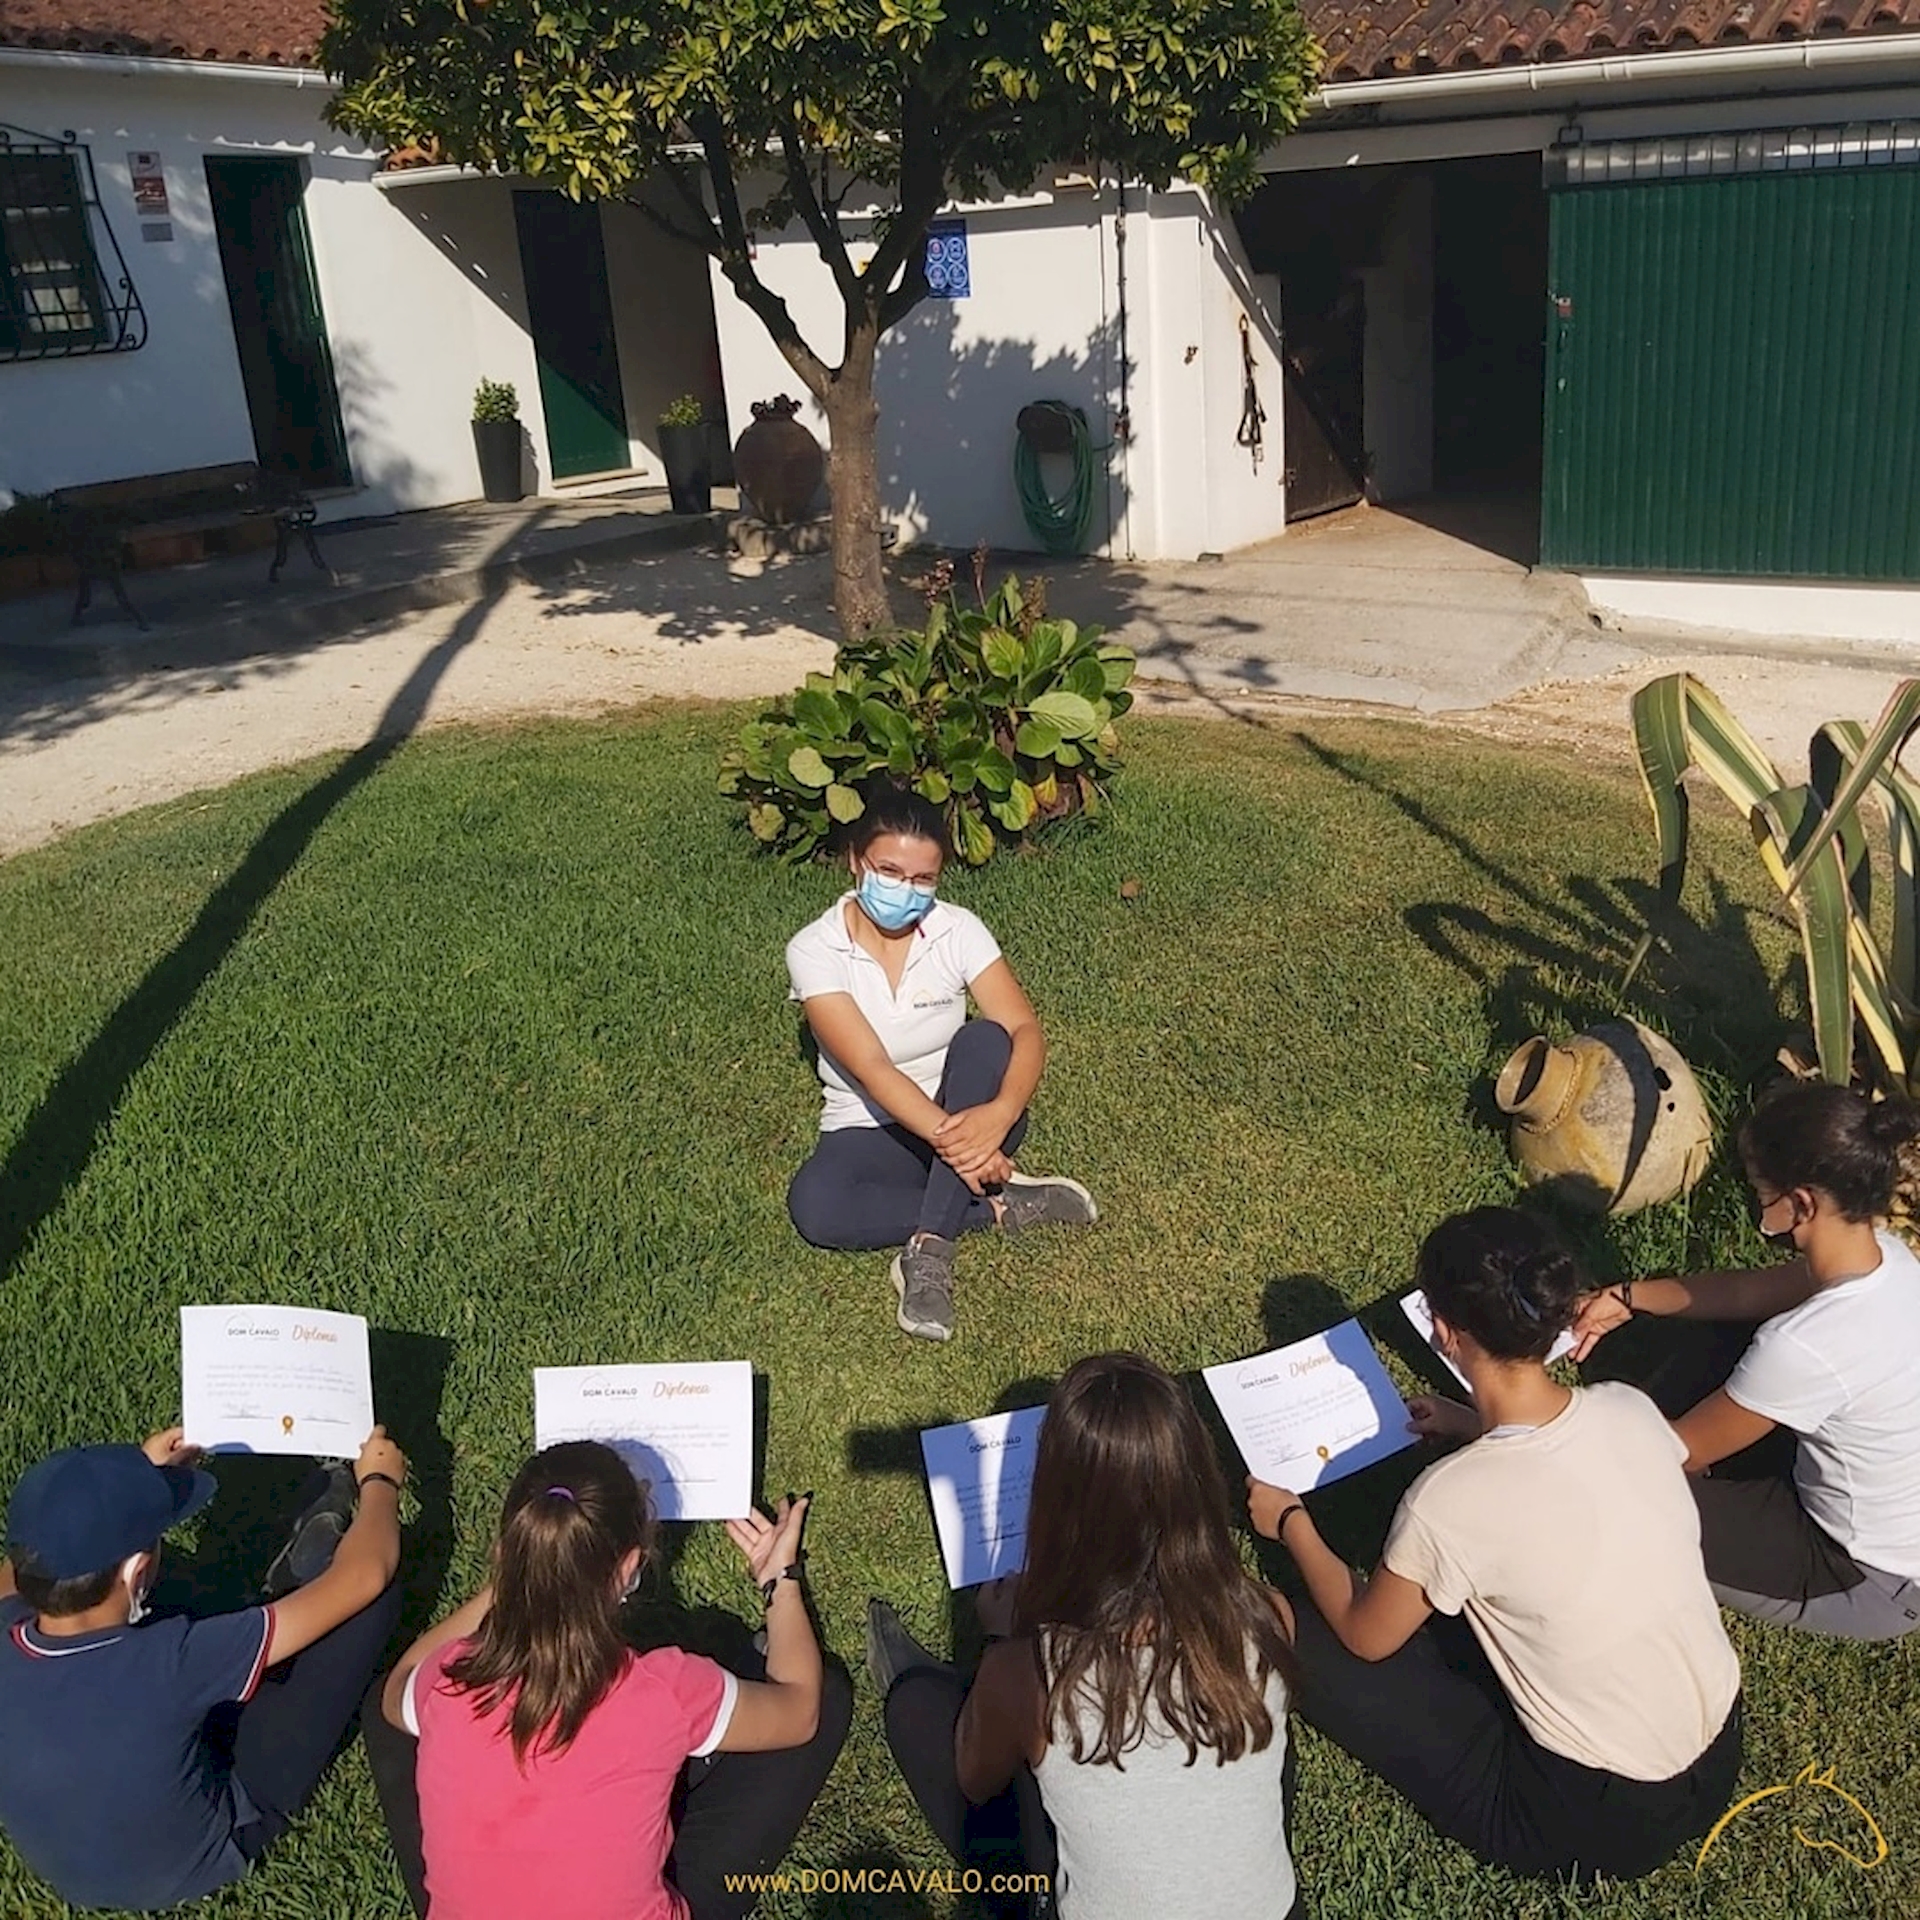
x: 550, y: 1643
x: 1132, y: 1580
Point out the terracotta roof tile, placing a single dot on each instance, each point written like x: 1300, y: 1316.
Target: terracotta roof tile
x: 1381, y: 39
x: 256, y: 33
x: 1363, y: 39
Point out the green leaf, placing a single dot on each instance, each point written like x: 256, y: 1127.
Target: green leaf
x: 806, y: 766
x: 1117, y: 665
x: 995, y: 771
x: 1896, y: 721
x: 1016, y: 811
x: 844, y: 804
x: 1088, y: 678
x: 1045, y: 645
x: 816, y: 710
x: 933, y: 785
x: 1678, y: 723
x: 1072, y: 713
x: 1784, y: 821
x: 975, y: 838
x: 1038, y: 738
x: 887, y: 724
x: 1002, y: 654
x: 765, y: 821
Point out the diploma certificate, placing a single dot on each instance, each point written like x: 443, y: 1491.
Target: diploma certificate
x: 686, y: 1430
x: 275, y: 1380
x: 1305, y: 1415
x: 980, y: 1474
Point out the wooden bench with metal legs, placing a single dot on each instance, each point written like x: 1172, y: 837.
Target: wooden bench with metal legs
x: 102, y: 522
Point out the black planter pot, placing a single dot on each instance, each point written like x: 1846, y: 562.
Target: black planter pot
x: 685, y: 452
x: 497, y: 445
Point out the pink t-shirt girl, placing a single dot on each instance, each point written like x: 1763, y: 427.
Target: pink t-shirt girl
x: 584, y: 1833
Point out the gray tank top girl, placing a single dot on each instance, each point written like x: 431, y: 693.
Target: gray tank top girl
x: 1156, y: 1839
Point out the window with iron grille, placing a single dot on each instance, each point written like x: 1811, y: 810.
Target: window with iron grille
x: 59, y: 295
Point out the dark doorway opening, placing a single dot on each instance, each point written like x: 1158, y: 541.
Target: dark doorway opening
x: 570, y: 316
x: 1318, y: 234
x: 279, y: 330
x: 1489, y: 325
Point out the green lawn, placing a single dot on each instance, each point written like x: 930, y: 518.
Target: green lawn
x: 490, y: 1043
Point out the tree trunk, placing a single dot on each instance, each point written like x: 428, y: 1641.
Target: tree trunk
x: 853, y: 418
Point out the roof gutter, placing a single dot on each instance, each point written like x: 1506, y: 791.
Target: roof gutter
x: 123, y: 66
x: 1553, y: 80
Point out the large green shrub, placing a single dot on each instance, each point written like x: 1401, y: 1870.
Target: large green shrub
x: 1002, y: 716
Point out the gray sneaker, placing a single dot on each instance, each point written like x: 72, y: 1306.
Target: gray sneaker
x: 923, y: 1278
x: 1045, y: 1203
x: 319, y: 1528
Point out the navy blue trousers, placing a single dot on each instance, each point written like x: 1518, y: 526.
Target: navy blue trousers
x: 868, y: 1187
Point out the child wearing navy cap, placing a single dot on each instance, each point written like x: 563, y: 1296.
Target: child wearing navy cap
x: 123, y: 1783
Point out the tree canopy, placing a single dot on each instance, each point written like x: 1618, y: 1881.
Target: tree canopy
x: 788, y: 106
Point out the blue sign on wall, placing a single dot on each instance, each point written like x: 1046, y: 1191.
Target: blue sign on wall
x: 947, y: 273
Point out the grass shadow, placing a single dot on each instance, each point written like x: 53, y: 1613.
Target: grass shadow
x: 74, y: 1118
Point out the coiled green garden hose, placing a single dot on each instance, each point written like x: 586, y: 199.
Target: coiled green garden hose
x: 1058, y: 521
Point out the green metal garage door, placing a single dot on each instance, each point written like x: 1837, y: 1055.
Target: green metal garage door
x: 1733, y: 372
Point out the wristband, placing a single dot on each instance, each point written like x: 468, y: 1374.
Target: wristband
x: 1626, y: 1294
x: 792, y: 1572
x: 1280, y: 1525
x: 385, y: 1479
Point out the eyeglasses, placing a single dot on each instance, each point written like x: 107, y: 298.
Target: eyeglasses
x: 923, y: 882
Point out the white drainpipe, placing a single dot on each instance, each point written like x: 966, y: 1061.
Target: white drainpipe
x: 1830, y: 58
x: 138, y: 67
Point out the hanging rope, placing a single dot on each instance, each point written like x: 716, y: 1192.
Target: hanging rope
x: 1251, y: 433
x: 1058, y: 521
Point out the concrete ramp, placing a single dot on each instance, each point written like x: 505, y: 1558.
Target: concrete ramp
x: 1433, y: 613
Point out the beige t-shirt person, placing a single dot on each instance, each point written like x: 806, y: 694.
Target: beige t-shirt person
x: 1574, y: 1551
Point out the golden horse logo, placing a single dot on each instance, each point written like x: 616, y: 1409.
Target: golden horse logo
x: 1808, y: 1776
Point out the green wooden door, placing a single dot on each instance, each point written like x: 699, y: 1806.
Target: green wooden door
x: 570, y: 317
x: 279, y: 331
x: 1733, y: 376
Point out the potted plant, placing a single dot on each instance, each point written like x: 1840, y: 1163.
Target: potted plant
x: 685, y: 454
x: 496, y: 440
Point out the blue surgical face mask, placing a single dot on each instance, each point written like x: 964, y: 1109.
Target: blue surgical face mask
x: 892, y: 905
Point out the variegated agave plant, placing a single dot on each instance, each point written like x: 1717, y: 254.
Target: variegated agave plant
x: 1865, y: 1002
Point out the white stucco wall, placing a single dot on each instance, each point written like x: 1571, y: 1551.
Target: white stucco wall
x: 663, y: 323
x: 1037, y: 325
x: 420, y: 284
x: 1043, y: 322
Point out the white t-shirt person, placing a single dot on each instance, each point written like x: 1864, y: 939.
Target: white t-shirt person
x: 1573, y: 1549
x: 951, y: 949
x: 1839, y: 1371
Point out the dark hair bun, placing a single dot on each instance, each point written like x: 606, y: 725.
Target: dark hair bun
x: 1810, y: 1133
x: 1502, y: 1276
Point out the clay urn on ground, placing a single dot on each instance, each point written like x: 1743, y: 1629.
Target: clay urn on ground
x: 1612, y: 1120
x: 777, y: 463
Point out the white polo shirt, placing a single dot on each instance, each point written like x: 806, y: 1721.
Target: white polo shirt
x: 951, y: 949
x: 1838, y: 1371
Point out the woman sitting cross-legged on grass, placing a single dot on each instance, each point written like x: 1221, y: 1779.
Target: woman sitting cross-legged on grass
x: 923, y: 1108
x: 1589, y: 1723
x: 1146, y: 1684
x: 530, y: 1762
x: 1823, y: 1532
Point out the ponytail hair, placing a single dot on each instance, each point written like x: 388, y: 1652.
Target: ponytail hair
x: 1504, y: 1277
x: 1809, y: 1133
x: 550, y: 1644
